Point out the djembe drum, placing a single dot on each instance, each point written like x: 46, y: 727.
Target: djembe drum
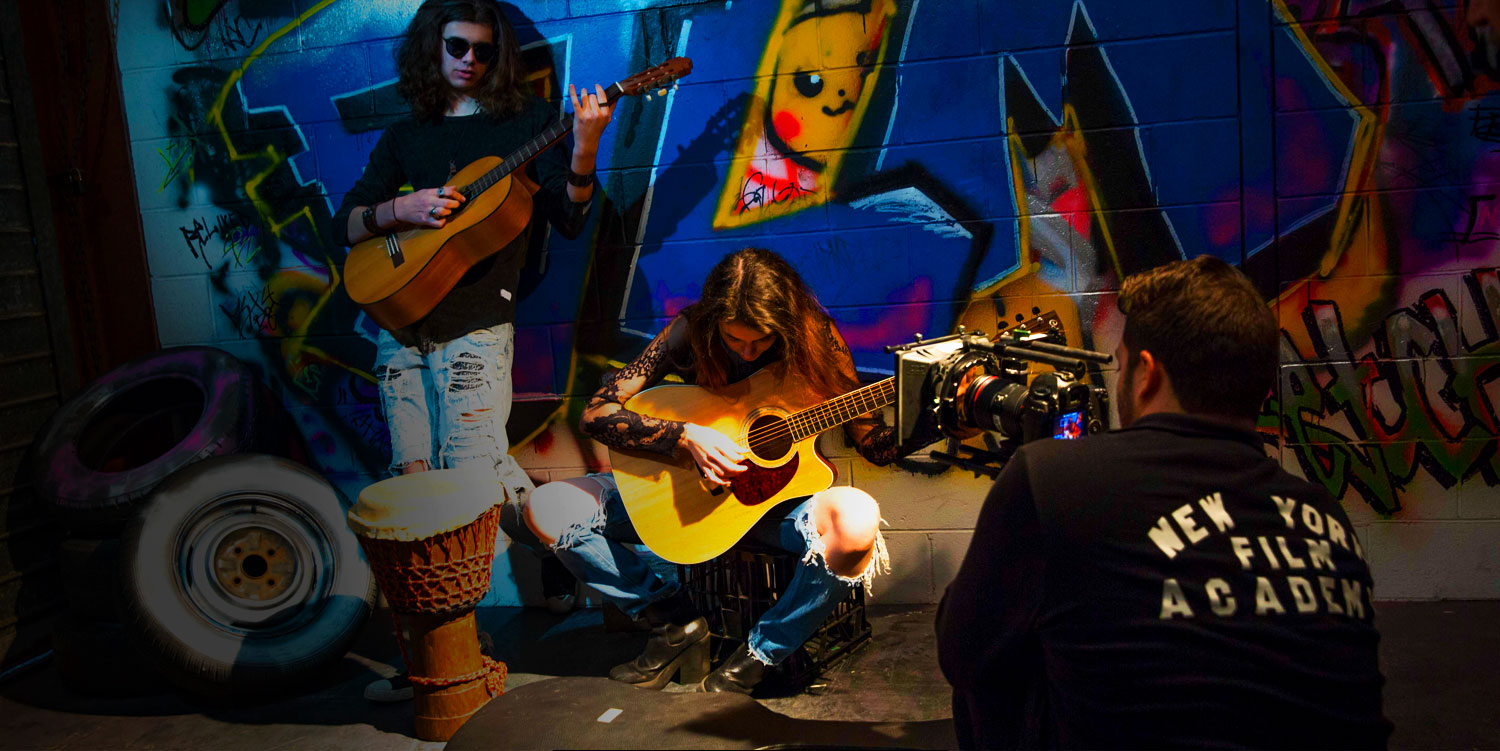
x: 430, y: 539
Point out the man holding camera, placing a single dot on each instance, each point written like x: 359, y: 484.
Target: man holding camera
x: 1166, y: 584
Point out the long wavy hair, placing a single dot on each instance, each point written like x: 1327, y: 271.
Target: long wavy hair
x: 500, y: 93
x: 759, y: 289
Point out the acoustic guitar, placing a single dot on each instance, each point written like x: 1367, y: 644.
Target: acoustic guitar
x: 678, y: 513
x: 399, y: 278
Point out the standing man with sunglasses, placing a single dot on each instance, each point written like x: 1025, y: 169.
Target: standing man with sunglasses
x: 445, y: 381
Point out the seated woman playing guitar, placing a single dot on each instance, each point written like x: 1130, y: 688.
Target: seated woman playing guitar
x: 755, y: 311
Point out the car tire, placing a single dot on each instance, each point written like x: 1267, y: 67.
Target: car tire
x: 107, y: 448
x: 242, y: 577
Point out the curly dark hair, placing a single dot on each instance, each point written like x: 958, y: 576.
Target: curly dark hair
x: 500, y: 93
x: 1210, y: 329
x: 757, y: 288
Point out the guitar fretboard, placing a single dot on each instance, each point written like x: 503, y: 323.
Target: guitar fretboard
x: 542, y: 142
x: 842, y: 409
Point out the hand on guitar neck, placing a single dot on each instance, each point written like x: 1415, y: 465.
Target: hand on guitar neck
x: 719, y: 458
x: 591, y: 114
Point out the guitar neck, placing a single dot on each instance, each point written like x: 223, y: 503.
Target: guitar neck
x: 521, y: 156
x: 842, y: 409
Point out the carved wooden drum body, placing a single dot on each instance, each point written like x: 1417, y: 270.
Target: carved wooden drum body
x: 430, y: 539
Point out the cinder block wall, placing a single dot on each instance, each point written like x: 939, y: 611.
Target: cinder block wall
x: 926, y: 164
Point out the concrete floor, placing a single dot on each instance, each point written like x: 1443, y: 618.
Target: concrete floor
x: 1441, y: 661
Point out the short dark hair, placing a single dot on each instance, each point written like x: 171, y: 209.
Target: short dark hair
x: 1207, y: 325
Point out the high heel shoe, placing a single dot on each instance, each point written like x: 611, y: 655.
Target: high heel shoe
x: 672, y: 649
x: 739, y: 674
x: 678, y: 645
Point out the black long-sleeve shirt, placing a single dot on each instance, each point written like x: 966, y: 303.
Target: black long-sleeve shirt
x: 422, y: 154
x: 1162, y: 586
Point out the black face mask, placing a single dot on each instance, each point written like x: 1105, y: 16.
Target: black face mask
x: 734, y: 357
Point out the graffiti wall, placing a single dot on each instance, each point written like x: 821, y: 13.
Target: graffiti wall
x: 926, y: 164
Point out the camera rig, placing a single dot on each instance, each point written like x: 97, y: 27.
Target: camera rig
x: 965, y: 383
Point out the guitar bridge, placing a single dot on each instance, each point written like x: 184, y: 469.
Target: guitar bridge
x: 393, y: 250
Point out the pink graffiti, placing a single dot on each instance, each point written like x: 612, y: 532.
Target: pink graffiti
x: 896, y: 323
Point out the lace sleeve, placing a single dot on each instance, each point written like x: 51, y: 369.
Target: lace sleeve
x: 871, y: 437
x: 878, y: 446
x: 605, y: 418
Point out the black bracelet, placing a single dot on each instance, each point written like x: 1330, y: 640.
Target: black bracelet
x: 582, y: 181
x: 369, y: 219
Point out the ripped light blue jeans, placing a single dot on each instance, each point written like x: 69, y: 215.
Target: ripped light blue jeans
x: 449, y: 407
x: 598, y: 552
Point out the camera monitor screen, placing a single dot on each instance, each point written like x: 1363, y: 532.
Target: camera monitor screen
x: 1069, y: 425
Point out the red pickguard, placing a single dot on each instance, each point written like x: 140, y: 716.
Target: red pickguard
x: 757, y: 484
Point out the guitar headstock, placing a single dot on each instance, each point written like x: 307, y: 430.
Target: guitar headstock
x: 656, y: 77
x: 1042, y: 323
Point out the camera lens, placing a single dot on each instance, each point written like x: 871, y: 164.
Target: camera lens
x: 995, y: 404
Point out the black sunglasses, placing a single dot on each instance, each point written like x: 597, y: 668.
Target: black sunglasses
x: 484, y: 52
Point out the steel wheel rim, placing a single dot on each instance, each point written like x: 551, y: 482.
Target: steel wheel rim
x: 205, y: 563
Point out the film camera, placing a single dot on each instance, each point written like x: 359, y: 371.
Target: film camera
x: 965, y: 382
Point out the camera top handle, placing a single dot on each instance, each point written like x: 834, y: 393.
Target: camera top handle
x: 1058, y: 349
x: 1070, y: 359
x: 1072, y: 365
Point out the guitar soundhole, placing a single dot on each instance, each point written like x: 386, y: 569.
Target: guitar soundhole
x: 769, y: 437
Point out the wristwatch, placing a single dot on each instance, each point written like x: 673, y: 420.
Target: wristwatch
x: 368, y: 217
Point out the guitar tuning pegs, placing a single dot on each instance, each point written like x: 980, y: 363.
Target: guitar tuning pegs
x: 648, y: 97
x: 661, y: 92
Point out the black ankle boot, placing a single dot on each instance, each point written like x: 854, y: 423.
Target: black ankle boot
x: 740, y: 673
x: 678, y: 644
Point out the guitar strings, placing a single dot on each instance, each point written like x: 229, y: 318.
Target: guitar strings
x: 546, y: 138
x: 834, y: 408
x: 791, y: 423
x: 831, y: 409
x: 508, y: 165
x: 802, y: 419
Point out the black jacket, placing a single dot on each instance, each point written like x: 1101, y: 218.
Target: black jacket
x: 1164, y: 585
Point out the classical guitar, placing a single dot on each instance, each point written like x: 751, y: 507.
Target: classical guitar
x: 675, y: 510
x: 399, y: 278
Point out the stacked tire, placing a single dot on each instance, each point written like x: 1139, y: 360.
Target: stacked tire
x: 229, y: 571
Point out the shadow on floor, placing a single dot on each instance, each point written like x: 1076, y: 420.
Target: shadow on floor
x: 1440, y: 660
x: 329, y: 711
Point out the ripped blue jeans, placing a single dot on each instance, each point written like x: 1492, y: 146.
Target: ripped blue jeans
x: 449, y: 407
x: 597, y: 552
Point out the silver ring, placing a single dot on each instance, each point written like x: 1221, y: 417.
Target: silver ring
x: 432, y: 212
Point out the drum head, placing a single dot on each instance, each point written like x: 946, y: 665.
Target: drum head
x: 424, y: 504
